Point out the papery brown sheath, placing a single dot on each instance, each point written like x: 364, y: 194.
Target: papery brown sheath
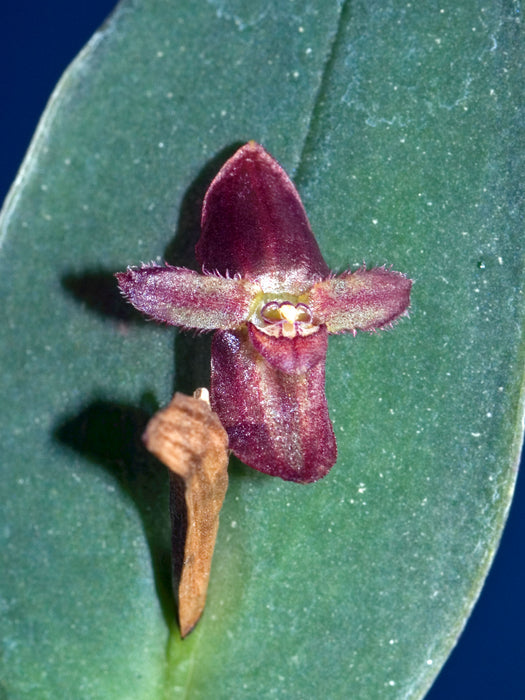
x: 189, y: 439
x: 269, y: 293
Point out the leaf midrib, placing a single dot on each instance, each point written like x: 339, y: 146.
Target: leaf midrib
x: 306, y: 145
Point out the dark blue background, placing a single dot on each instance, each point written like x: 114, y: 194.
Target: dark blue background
x: 37, y: 42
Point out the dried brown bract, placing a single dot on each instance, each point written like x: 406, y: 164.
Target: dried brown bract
x: 189, y: 439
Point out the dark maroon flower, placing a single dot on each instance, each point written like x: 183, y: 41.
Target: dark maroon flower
x: 267, y: 289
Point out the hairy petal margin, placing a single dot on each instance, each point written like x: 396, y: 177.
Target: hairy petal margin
x: 182, y: 297
x: 363, y: 300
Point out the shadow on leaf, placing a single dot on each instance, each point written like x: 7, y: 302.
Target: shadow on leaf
x: 181, y: 250
x: 98, y: 291
x: 193, y: 350
x: 109, y: 435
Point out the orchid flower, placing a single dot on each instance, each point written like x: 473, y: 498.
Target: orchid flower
x: 267, y: 291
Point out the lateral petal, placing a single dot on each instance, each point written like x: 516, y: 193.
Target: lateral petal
x: 182, y: 297
x: 362, y: 300
x: 254, y: 224
x: 277, y: 423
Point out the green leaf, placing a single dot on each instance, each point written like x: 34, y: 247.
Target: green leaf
x: 399, y: 123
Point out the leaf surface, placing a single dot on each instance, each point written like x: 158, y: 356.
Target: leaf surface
x: 399, y: 125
